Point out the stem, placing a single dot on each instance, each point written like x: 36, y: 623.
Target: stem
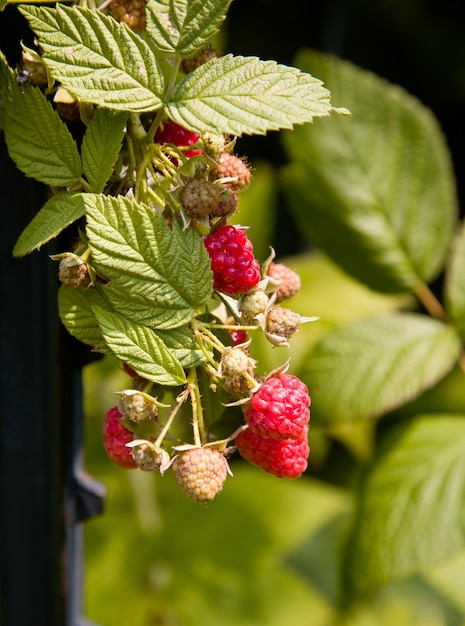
x: 154, y: 125
x: 198, y: 425
x: 430, y: 302
x: 180, y: 401
x: 85, y: 184
x: 211, y: 338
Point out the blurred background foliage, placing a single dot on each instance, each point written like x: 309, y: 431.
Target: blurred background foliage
x: 267, y: 551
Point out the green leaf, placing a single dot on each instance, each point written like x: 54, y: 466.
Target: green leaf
x: 374, y: 365
x: 3, y: 4
x: 76, y: 314
x: 375, y: 190
x: 184, y: 27
x: 38, y: 141
x: 411, y: 514
x: 58, y: 212
x: 160, y: 274
x: 181, y: 342
x: 101, y: 146
x: 96, y: 58
x: 455, y: 285
x: 237, y: 95
x: 139, y: 347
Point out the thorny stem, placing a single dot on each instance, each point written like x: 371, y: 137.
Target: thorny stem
x: 198, y: 424
x: 179, y: 402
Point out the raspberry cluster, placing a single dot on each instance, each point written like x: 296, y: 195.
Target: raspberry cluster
x: 277, y: 418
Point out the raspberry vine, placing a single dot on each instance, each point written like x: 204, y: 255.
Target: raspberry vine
x: 157, y: 275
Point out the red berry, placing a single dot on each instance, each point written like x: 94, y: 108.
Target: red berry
x: 115, y: 438
x: 234, y: 266
x: 128, y: 369
x: 279, y: 409
x: 238, y: 336
x: 179, y: 136
x: 285, y: 458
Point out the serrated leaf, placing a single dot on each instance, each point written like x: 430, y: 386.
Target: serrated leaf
x: 77, y: 316
x: 244, y: 95
x: 58, y: 212
x: 374, y: 365
x: 139, y: 347
x: 101, y: 145
x: 375, y: 190
x: 153, y: 266
x: 411, y: 514
x: 455, y: 284
x: 181, y: 342
x: 38, y: 141
x: 96, y: 58
x: 184, y: 27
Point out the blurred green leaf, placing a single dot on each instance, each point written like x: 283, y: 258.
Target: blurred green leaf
x: 411, y: 513
x: 367, y: 368
x: 375, y: 191
x: 326, y: 292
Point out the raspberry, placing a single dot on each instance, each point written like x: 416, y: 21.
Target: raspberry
x: 201, y: 57
x: 201, y: 472
x: 234, y: 266
x: 285, y: 458
x: 73, y: 271
x: 238, y: 336
x: 231, y: 166
x: 280, y: 408
x: 115, y: 438
x: 138, y: 406
x: 289, y: 281
x: 131, y: 12
x: 179, y: 136
x: 237, y: 371
x: 252, y: 304
x: 282, y: 322
x: 128, y: 369
x: 200, y: 197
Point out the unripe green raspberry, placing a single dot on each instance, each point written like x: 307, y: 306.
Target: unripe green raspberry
x: 200, y: 472
x: 201, y: 57
x: 148, y: 457
x: 200, y: 197
x: 138, y: 406
x: 282, y: 322
x: 289, y: 281
x: 227, y: 205
x: 73, y: 271
x: 252, y: 304
x: 236, y: 369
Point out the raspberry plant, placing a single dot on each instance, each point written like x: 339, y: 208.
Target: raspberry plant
x: 133, y: 125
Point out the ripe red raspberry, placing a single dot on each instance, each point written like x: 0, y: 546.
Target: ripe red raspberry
x: 285, y: 458
x: 131, y: 12
x: 201, y: 472
x: 280, y: 408
x: 115, y: 438
x: 234, y: 266
x: 179, y: 136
